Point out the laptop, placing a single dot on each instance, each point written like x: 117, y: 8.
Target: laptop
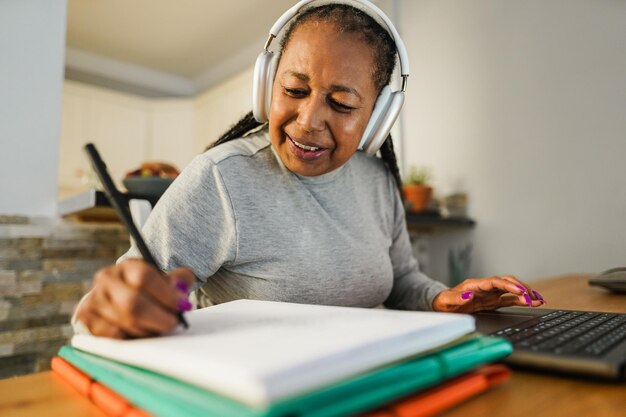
x: 585, y: 343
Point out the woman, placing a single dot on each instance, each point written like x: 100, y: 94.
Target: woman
x: 290, y: 212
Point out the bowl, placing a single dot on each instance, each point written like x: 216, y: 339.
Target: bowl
x: 147, y: 186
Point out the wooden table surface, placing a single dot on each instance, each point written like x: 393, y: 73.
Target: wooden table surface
x: 526, y: 394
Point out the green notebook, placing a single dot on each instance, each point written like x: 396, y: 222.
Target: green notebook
x: 165, y: 396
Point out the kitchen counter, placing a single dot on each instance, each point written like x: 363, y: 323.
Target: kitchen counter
x: 94, y: 205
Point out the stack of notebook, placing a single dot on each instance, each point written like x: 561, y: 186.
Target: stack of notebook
x: 267, y: 359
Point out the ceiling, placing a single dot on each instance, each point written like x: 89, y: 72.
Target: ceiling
x: 165, y: 47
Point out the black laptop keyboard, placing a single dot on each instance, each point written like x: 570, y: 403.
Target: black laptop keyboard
x: 569, y: 333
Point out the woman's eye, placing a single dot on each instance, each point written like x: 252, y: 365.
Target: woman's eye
x: 344, y: 108
x: 295, y: 92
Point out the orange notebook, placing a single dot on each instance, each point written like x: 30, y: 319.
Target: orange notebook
x: 108, y: 401
x: 423, y: 404
x: 442, y: 397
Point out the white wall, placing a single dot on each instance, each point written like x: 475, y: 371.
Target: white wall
x: 116, y: 123
x: 522, y: 105
x: 32, y: 44
x: 218, y: 108
x: 129, y: 129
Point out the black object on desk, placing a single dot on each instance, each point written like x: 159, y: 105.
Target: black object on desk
x: 432, y: 219
x: 119, y: 204
x: 613, y: 279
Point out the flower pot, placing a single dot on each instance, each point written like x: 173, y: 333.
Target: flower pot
x: 417, y: 196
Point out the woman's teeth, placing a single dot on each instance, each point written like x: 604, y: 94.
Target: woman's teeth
x: 305, y: 147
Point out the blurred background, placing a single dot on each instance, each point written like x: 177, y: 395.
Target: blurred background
x: 517, y: 108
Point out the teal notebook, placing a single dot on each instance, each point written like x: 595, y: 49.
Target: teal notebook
x: 164, y: 396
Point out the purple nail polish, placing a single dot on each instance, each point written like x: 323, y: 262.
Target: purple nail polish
x: 538, y: 296
x: 520, y: 287
x: 182, y: 286
x: 466, y: 295
x: 184, y: 305
x: 528, y: 300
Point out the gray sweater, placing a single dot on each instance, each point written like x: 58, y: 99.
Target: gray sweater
x: 250, y: 228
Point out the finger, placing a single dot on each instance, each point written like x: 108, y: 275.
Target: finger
x: 485, y: 302
x: 511, y: 300
x: 534, y: 295
x: 98, y: 326
x: 538, y: 297
x: 127, y: 307
x: 451, y: 300
x: 182, y: 278
x: 522, y: 286
x: 138, y: 274
x: 109, y: 308
x: 134, y: 310
x: 525, y: 300
x: 496, y: 284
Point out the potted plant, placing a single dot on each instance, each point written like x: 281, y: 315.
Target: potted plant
x: 416, y: 188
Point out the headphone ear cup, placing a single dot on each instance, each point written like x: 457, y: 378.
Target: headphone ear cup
x: 262, y: 80
x: 389, y: 111
x: 382, y: 102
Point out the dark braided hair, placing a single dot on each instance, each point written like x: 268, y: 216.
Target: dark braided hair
x: 347, y: 19
x: 245, y: 125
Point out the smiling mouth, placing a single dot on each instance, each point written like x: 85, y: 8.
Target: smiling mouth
x: 304, y: 152
x: 304, y: 147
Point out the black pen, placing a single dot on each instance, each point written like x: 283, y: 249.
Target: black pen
x: 118, y: 202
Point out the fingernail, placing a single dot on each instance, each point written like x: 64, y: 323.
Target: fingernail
x: 184, y: 305
x: 182, y: 286
x: 466, y: 295
x: 520, y: 288
x: 538, y: 296
x: 528, y: 300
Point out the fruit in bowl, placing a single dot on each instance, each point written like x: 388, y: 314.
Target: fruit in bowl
x: 151, y: 179
x: 154, y: 169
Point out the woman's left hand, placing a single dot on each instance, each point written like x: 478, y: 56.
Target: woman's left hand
x: 477, y: 294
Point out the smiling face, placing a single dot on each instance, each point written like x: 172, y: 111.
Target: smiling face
x: 322, y: 98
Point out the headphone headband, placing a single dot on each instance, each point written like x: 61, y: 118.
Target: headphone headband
x: 363, y: 5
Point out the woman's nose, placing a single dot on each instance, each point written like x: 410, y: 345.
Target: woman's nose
x: 311, y: 114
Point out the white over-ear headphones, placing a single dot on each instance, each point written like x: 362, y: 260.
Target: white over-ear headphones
x: 388, y: 103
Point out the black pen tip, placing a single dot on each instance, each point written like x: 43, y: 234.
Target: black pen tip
x: 181, y: 320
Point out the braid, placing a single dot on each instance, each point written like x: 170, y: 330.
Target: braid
x: 389, y: 156
x: 238, y: 130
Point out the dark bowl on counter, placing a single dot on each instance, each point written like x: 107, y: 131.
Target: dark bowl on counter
x: 147, y: 186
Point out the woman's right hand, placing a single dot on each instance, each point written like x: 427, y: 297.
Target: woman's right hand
x: 132, y: 299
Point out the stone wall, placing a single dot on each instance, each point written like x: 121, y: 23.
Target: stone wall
x: 45, y: 268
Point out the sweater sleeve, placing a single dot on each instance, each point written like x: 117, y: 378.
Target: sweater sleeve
x: 412, y: 290
x: 193, y: 224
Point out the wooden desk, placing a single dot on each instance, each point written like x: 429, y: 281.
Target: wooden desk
x: 526, y: 394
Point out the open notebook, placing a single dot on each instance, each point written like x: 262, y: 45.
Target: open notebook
x: 259, y: 352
